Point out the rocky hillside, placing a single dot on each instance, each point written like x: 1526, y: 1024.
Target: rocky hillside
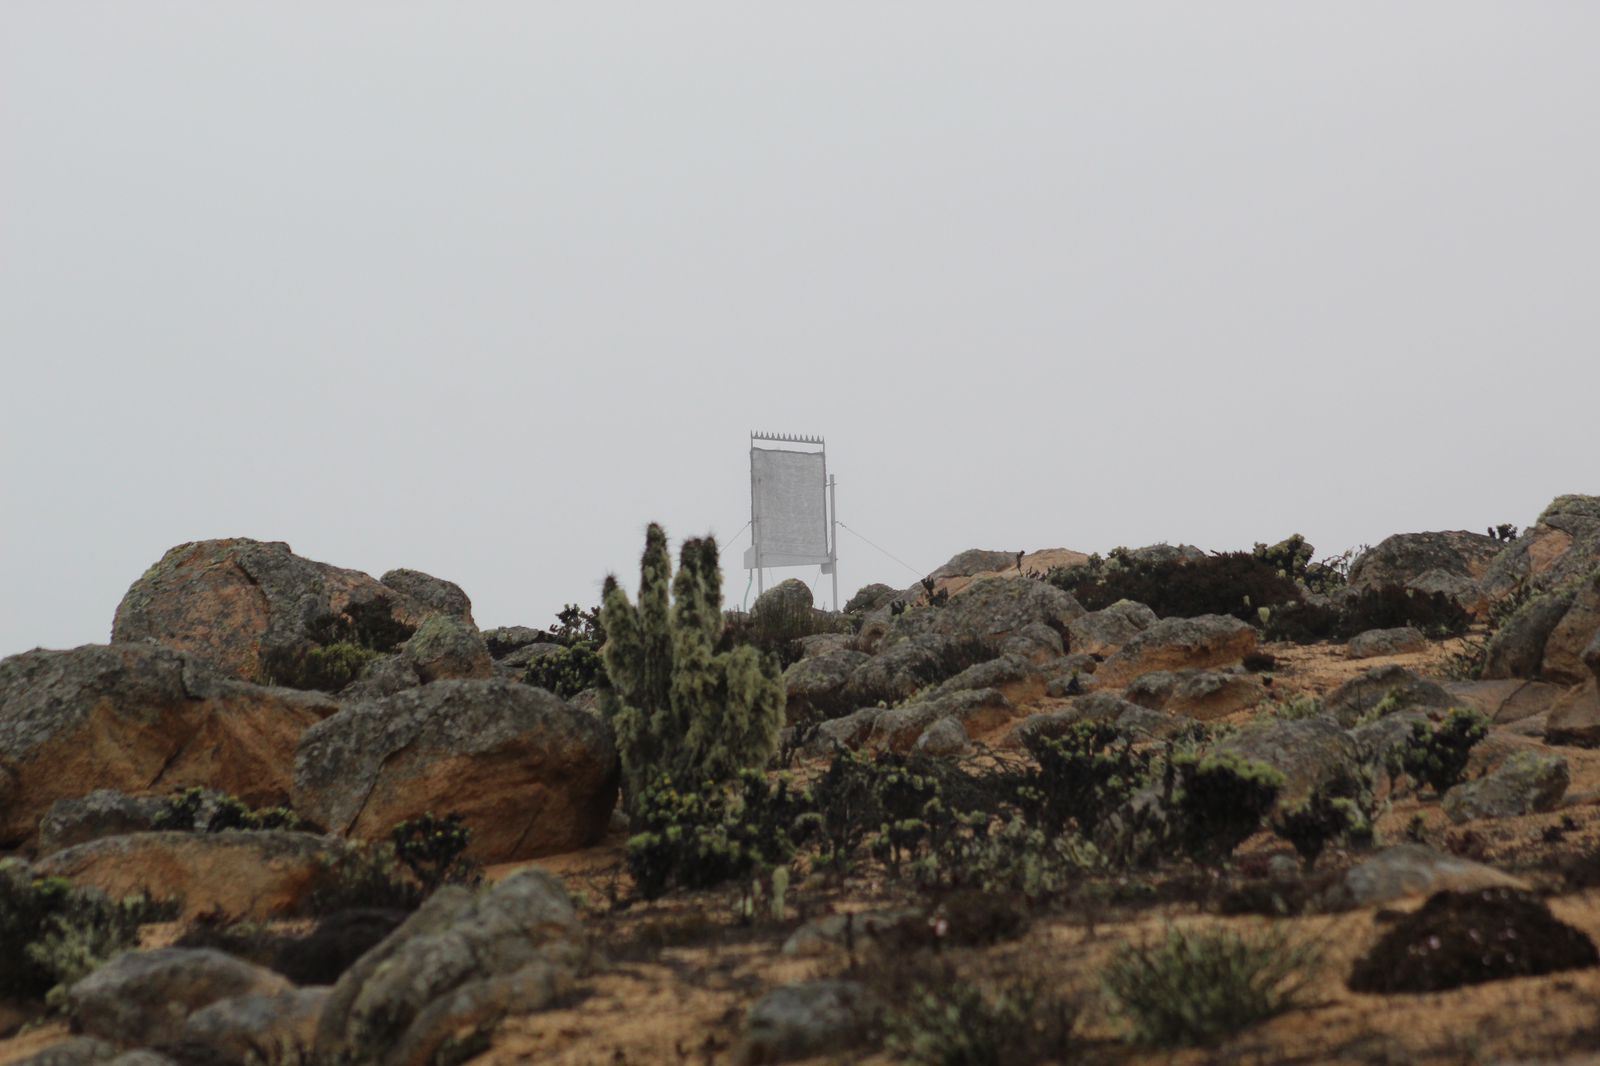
x: 1151, y: 805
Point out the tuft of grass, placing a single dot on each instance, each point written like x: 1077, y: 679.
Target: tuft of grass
x: 950, y: 1022
x: 1196, y: 987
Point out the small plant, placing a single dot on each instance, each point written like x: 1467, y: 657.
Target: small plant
x: 1236, y: 584
x: 566, y: 672
x: 1337, y: 812
x: 1220, y: 800
x: 1296, y: 707
x: 434, y: 851
x: 1437, y: 755
x: 1505, y: 532
x: 1436, y: 614
x: 952, y: 1022
x: 195, y: 810
x: 1196, y: 987
x: 699, y: 838
x: 363, y: 876
x: 1084, y: 774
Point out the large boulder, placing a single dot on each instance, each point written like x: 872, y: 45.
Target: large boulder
x: 1409, y: 870
x: 145, y: 997
x: 1391, y: 688
x: 1400, y: 640
x: 139, y: 718
x: 105, y: 812
x: 900, y: 671
x: 801, y: 1021
x: 988, y: 611
x: 456, y: 959
x: 528, y: 773
x: 1575, y: 717
x: 1526, y: 783
x: 1210, y: 640
x: 1201, y: 694
x: 1562, y: 545
x: 976, y: 561
x: 1308, y: 752
x: 445, y: 647
x: 253, y: 875
x: 255, y: 610
x: 1406, y: 557
x: 1548, y: 637
x: 1105, y: 631
x: 433, y: 593
x: 277, y: 1027
x: 975, y: 710
x: 817, y: 686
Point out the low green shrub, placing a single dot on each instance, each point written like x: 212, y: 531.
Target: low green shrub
x: 1197, y: 987
x: 433, y: 850
x: 567, y: 671
x: 363, y: 876
x: 196, y: 810
x: 1084, y: 774
x: 1220, y: 799
x: 1436, y: 614
x: 698, y: 838
x: 1338, y: 811
x: 1436, y: 755
x: 1235, y: 583
x: 955, y: 1022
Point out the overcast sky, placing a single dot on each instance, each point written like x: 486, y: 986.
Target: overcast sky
x: 482, y: 288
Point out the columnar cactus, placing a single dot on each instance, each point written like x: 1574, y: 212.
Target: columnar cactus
x: 680, y: 707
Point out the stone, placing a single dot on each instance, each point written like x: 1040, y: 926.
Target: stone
x: 503, y: 640
x: 1563, y: 660
x: 788, y: 598
x: 1017, y: 677
x: 825, y: 643
x: 433, y: 593
x: 1409, y: 870
x: 529, y: 774
x: 1517, y: 648
x: 104, y: 812
x: 398, y: 997
x: 988, y: 611
x: 1404, y: 557
x: 476, y: 1007
x: 1210, y: 640
x: 252, y: 1029
x: 944, y: 738
x: 1526, y: 783
x: 145, y: 997
x: 445, y: 648
x: 871, y: 598
x: 1401, y: 688
x: 1575, y: 717
x: 1201, y: 694
x: 518, y: 660
x: 246, y: 874
x: 1507, y: 700
x: 247, y: 607
x: 1307, y: 751
x: 975, y: 561
x: 1036, y: 642
x: 848, y: 932
x: 977, y: 710
x: 848, y: 732
x: 817, y: 686
x: 75, y: 1051
x: 1105, y: 631
x: 1375, y: 642
x: 800, y: 1021
x: 139, y: 718
x: 1563, y: 544
x: 901, y: 670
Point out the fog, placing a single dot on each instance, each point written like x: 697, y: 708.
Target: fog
x: 483, y: 289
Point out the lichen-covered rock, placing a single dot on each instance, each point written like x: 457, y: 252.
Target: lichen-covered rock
x: 817, y: 686
x: 145, y: 997
x: 253, y: 1029
x: 871, y: 598
x: 1391, y: 687
x: 1210, y: 640
x: 988, y: 611
x: 387, y: 1006
x: 1200, y: 694
x: 1307, y: 751
x: 1016, y: 676
x: 1376, y: 642
x: 528, y: 773
x: 1575, y: 717
x: 503, y: 640
x: 1404, y: 557
x: 434, y: 593
x: 445, y: 648
x: 138, y: 718
x: 942, y: 739
x: 806, y: 1020
x: 104, y: 812
x: 1505, y: 700
x: 75, y: 1051
x: 248, y: 607
x: 252, y: 875
x: 1525, y: 783
x: 977, y: 710
x: 1562, y: 545
x: 1105, y: 631
x: 1517, y: 648
x: 976, y: 561
x: 900, y: 671
x: 1410, y: 870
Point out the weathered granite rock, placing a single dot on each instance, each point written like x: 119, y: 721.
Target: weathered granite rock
x: 1525, y: 783
x: 1376, y: 642
x: 145, y: 997
x: 1210, y: 640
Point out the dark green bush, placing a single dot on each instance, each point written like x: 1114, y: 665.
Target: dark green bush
x: 342, y: 647
x: 1436, y: 755
x: 362, y: 877
x: 1235, y: 583
x: 1336, y: 812
x: 189, y: 811
x: 949, y: 1021
x: 1084, y: 775
x: 1220, y: 800
x: 1198, y: 986
x: 1436, y: 614
x: 434, y: 851
x: 52, y: 934
x: 701, y: 837
x: 568, y: 671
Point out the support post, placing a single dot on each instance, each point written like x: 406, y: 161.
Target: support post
x: 833, y: 538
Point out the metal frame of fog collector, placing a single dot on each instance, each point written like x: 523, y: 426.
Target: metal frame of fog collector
x: 782, y: 512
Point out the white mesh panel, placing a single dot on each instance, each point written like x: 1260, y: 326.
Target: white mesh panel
x: 790, y: 513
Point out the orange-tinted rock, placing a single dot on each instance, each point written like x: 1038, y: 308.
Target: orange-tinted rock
x: 138, y: 718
